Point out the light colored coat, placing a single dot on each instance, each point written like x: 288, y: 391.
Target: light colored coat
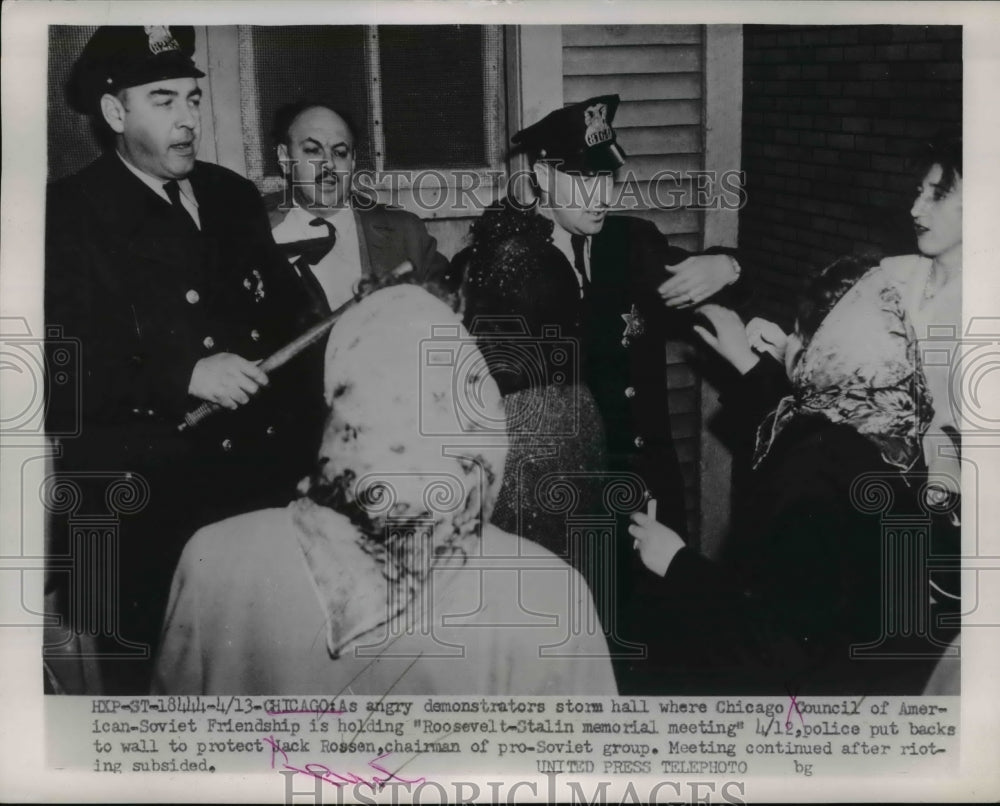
x: 246, y: 616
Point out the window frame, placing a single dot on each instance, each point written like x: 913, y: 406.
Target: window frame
x: 441, y: 192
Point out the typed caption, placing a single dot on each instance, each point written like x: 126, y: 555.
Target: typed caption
x: 349, y: 741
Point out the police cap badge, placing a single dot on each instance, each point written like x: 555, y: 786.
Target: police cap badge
x: 121, y: 56
x: 578, y: 137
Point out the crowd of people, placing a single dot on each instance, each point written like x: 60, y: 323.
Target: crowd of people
x: 470, y: 485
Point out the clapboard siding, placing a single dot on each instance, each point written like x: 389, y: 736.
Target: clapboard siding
x: 687, y: 452
x: 670, y: 222
x: 657, y: 140
x: 659, y: 113
x: 633, y: 59
x: 646, y: 167
x: 681, y: 376
x: 583, y: 35
x: 658, y: 71
x: 642, y: 87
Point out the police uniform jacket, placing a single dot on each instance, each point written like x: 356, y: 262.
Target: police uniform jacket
x: 625, y: 330
x: 146, y: 296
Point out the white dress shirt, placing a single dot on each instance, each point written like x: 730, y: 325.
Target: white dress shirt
x: 340, y: 270
x: 562, y: 240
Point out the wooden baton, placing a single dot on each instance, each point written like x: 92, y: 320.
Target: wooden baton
x: 295, y: 347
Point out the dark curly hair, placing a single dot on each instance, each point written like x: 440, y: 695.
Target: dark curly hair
x: 944, y: 149
x: 827, y: 289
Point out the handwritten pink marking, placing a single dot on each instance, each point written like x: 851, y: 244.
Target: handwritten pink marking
x: 793, y: 703
x: 324, y: 773
x: 319, y: 711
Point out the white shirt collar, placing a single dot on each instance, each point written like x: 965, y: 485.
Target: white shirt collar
x: 296, y: 225
x: 563, y: 241
x: 156, y: 184
x: 343, y: 217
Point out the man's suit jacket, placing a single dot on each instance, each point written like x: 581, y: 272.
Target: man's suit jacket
x: 386, y: 236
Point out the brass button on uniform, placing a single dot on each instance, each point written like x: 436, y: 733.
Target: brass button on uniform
x: 626, y: 341
x: 227, y: 444
x: 639, y: 442
x: 247, y: 284
x: 209, y: 342
x: 269, y: 430
x: 629, y: 391
x: 192, y: 296
x: 255, y: 335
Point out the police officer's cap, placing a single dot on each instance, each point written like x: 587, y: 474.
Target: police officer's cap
x: 578, y: 138
x: 122, y: 56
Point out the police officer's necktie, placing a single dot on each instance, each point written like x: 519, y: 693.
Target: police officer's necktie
x: 579, y: 242
x: 173, y: 191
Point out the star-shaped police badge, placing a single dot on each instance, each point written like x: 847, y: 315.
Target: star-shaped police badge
x: 635, y: 325
x: 257, y: 284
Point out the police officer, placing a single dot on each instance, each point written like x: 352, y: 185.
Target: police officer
x: 636, y: 290
x: 164, y: 269
x: 632, y: 281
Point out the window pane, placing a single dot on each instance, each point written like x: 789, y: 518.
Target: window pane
x: 432, y: 95
x: 324, y: 63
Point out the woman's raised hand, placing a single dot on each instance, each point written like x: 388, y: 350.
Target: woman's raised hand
x: 727, y: 337
x: 766, y: 337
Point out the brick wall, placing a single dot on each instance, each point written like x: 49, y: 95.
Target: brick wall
x: 831, y: 114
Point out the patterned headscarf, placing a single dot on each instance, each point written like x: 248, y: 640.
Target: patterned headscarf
x: 408, y: 458
x: 861, y: 368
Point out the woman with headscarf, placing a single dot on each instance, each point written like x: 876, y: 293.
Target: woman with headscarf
x: 384, y: 576
x: 854, y: 413
x: 930, y: 287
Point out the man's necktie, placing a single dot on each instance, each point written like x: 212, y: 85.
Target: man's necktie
x: 173, y: 191
x: 578, y: 242
x: 310, y: 253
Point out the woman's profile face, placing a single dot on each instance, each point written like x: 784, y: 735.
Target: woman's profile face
x: 937, y: 215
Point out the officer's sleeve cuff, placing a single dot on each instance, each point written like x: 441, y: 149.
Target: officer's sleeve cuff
x: 169, y: 381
